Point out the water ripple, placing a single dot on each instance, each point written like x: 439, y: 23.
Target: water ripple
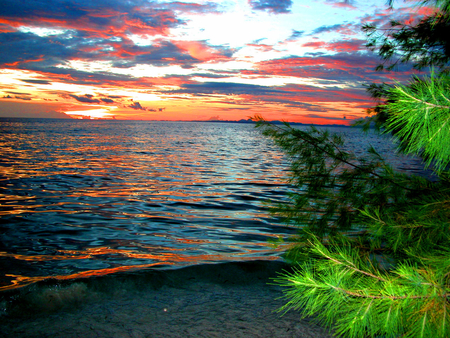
x: 83, y: 198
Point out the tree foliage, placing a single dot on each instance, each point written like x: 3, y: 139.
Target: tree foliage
x: 419, y: 115
x: 372, y: 254
x: 372, y: 258
x: 416, y: 113
x: 424, y: 44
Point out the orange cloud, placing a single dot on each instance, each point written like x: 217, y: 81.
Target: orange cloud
x: 338, y: 46
x: 199, y: 50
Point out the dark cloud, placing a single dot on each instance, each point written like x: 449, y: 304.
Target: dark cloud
x: 96, y: 18
x: 37, y: 81
x: 87, y: 98
x: 273, y: 6
x: 286, y: 95
x: 24, y: 98
x: 296, y: 101
x: 213, y: 76
x: 329, y: 94
x: 30, y: 49
x: 98, y: 30
x: 164, y: 54
x: 136, y: 105
x: 18, y: 96
x: 326, y: 29
x: 340, y: 67
x: 296, y: 34
x: 17, y: 93
x: 225, y: 88
x: 107, y: 100
x: 46, y: 54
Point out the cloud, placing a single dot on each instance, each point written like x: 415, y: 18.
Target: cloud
x: 46, y: 54
x: 225, y: 88
x: 27, y: 48
x: 348, y: 46
x: 327, y: 28
x: 30, y: 110
x: 106, y: 100
x: 296, y: 34
x: 18, y: 96
x: 261, y: 47
x: 104, y: 43
x: 272, y: 6
x: 36, y: 81
x: 199, y: 50
x: 294, y: 96
x: 60, y: 31
x: 348, y: 4
x: 87, y: 98
x: 96, y: 18
x: 214, y: 118
x: 136, y: 105
x: 17, y: 93
x: 209, y: 7
x: 324, y: 68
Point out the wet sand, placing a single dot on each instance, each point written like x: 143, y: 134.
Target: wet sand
x: 215, y: 300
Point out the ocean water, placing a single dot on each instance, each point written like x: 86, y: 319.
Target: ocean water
x: 91, y: 198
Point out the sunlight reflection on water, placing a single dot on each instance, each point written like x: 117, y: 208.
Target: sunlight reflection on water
x: 82, y: 198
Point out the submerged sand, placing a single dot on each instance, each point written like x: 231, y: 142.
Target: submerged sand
x: 216, y: 300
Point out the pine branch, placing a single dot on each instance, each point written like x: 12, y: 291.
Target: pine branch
x: 388, y: 276
x: 419, y: 116
x: 316, y: 144
x: 358, y: 306
x: 345, y: 262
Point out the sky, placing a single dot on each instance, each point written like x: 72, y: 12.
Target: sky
x: 292, y: 60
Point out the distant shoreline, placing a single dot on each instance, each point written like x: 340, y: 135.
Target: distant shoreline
x: 175, y: 121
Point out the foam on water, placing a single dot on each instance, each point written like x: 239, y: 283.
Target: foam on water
x: 52, y: 295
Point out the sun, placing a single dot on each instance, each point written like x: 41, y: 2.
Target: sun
x: 91, y: 114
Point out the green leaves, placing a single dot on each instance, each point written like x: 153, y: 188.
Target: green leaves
x: 331, y: 184
x: 341, y: 289
x: 419, y: 116
x: 371, y: 258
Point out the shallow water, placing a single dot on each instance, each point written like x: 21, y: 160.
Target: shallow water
x: 87, y: 198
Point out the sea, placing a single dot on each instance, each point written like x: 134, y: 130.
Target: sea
x: 89, y: 198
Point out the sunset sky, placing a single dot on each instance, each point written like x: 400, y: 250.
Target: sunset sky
x: 294, y: 60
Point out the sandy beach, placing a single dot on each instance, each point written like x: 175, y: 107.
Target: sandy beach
x: 213, y: 300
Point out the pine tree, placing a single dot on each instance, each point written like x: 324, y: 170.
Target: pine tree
x: 372, y: 258
x: 419, y: 115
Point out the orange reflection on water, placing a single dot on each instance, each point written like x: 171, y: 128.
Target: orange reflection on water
x: 21, y: 281
x: 42, y: 258
x: 80, y: 184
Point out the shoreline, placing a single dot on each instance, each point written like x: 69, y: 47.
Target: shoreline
x: 209, y: 300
